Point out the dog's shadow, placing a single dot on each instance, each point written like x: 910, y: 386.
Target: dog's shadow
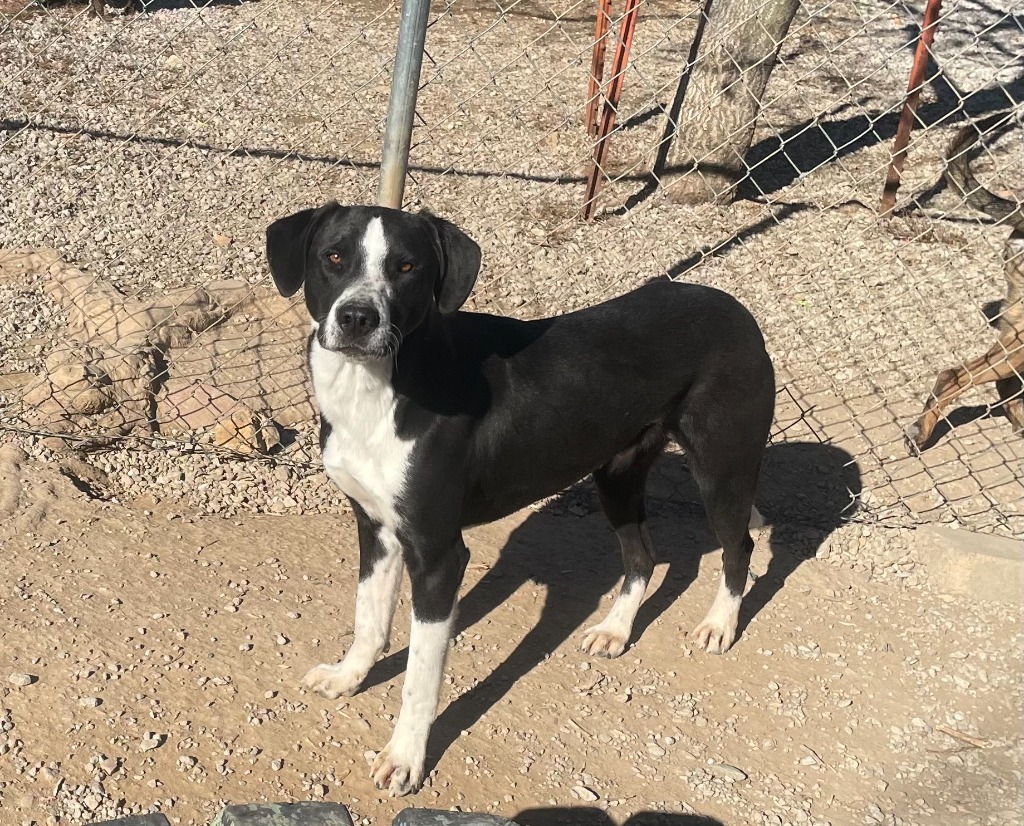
x: 806, y: 491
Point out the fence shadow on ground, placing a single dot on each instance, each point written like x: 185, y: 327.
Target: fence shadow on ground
x: 588, y: 816
x: 18, y: 124
x: 136, y: 6
x: 779, y: 160
x: 577, y: 562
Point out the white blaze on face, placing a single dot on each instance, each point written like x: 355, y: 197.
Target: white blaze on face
x: 375, y: 251
x: 371, y: 287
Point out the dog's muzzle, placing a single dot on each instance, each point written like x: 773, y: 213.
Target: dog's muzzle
x: 356, y: 322
x: 355, y: 328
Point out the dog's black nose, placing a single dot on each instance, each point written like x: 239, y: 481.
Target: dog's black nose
x: 357, y: 320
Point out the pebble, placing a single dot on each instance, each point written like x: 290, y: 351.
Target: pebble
x: 875, y: 814
x: 151, y: 741
x: 584, y: 793
x: 725, y: 771
x: 21, y: 679
x: 89, y: 702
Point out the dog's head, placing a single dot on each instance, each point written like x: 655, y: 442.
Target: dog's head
x: 371, y: 275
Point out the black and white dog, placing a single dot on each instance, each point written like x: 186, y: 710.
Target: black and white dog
x: 432, y: 420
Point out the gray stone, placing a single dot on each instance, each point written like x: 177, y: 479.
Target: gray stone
x: 156, y: 819
x: 284, y: 814
x: 725, y: 771
x: 439, y: 817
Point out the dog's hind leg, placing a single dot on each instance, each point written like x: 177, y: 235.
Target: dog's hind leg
x: 1011, y: 400
x: 1002, y: 364
x: 729, y: 502
x: 724, y: 444
x: 1004, y: 360
x: 620, y: 484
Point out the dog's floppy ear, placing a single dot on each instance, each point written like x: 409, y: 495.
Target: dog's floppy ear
x: 460, y: 263
x: 288, y: 244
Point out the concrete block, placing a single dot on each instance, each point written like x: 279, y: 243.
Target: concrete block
x: 978, y: 565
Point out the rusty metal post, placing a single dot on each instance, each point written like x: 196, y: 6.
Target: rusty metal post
x: 601, y: 27
x: 917, y: 70
x: 611, y: 105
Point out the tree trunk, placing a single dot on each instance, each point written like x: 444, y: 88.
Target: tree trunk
x: 735, y: 58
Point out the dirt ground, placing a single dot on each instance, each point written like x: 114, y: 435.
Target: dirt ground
x: 165, y: 654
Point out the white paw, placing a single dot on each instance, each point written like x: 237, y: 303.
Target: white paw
x: 398, y: 768
x: 716, y: 634
x: 334, y: 681
x: 604, y: 640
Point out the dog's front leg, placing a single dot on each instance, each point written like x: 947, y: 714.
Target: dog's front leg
x: 380, y: 575
x: 435, y: 574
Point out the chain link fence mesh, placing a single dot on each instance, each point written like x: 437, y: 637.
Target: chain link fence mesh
x: 142, y: 157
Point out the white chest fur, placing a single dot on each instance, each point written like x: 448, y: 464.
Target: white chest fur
x: 363, y: 454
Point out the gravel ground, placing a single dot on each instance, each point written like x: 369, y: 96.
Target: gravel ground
x: 154, y: 150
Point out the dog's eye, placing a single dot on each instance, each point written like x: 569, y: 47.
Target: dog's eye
x: 406, y: 267
x: 334, y: 258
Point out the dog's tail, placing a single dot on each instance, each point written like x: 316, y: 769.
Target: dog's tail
x: 961, y: 177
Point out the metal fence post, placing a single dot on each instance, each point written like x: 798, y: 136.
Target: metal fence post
x: 405, y: 80
x: 932, y: 11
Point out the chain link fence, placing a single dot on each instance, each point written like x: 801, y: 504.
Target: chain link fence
x: 142, y: 157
